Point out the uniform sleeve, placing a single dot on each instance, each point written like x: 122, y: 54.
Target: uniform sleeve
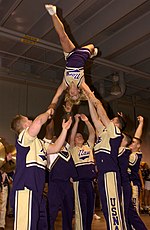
x: 90, y: 144
x: 121, y: 151
x: 113, y: 130
x: 133, y: 159
x: 25, y: 139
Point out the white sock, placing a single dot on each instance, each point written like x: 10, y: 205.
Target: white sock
x: 51, y: 9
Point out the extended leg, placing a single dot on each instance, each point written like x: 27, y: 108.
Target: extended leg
x: 66, y: 43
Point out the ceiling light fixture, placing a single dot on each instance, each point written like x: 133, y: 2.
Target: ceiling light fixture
x: 115, y: 90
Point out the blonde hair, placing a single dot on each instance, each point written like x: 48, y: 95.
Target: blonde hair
x: 81, y: 97
x: 16, y: 124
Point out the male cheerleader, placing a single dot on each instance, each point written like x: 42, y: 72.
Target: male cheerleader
x: 106, y: 156
x: 132, y: 219
x: 29, y: 179
x: 134, y: 163
x: 61, y: 170
x: 82, y: 154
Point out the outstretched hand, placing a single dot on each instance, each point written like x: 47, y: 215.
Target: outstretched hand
x: 140, y: 119
x: 66, y: 124
x: 120, y: 114
x: 51, y: 112
x: 83, y: 117
x: 77, y: 117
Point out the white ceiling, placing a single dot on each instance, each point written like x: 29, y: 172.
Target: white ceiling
x: 29, y: 45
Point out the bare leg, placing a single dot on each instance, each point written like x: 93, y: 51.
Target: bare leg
x: 66, y: 43
x: 90, y: 47
x: 93, y: 50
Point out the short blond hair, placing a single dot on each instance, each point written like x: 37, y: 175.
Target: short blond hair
x: 16, y: 125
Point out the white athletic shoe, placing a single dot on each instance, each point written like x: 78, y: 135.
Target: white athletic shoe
x: 96, y: 217
x: 95, y: 53
x: 51, y: 9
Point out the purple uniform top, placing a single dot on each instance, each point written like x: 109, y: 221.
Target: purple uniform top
x: 123, y: 161
x: 61, y: 165
x: 134, y: 166
x: 31, y: 163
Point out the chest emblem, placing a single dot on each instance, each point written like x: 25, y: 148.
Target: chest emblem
x: 83, y: 154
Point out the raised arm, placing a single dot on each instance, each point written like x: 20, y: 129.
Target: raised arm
x: 74, y: 130
x: 54, y: 148
x: 50, y: 130
x: 100, y: 109
x: 91, y: 130
x: 38, y: 122
x: 138, y: 132
x: 97, y: 123
x: 58, y: 93
x: 85, y: 87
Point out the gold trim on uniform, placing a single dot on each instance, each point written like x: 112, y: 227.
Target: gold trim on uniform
x: 36, y: 146
x: 23, y: 202
x: 104, y: 144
